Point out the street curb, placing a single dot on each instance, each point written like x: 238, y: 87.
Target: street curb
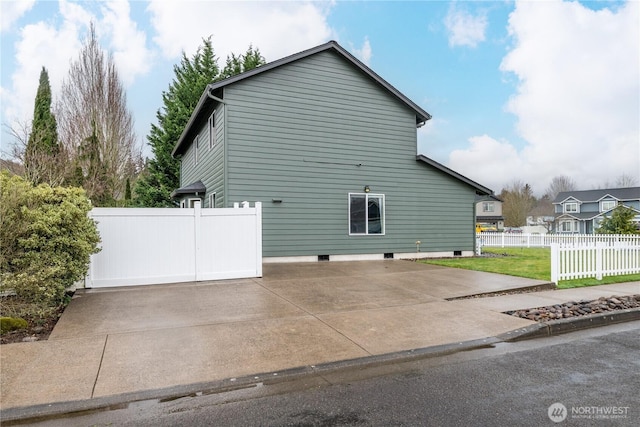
x: 563, y: 326
x: 36, y: 413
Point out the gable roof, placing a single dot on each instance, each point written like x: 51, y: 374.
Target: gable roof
x: 480, y: 189
x: 621, y: 194
x: 421, y: 115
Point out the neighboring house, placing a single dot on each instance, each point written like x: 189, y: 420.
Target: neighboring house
x: 329, y: 148
x: 489, y: 213
x: 582, y: 211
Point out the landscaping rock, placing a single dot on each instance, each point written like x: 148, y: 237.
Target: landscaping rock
x: 577, y: 309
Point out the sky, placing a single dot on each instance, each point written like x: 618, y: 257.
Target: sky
x: 518, y: 90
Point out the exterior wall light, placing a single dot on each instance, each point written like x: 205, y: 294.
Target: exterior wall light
x: 366, y: 189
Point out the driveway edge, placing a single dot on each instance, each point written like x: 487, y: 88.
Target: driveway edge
x: 35, y: 413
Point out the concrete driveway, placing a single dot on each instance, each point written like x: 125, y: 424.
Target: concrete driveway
x: 122, y: 340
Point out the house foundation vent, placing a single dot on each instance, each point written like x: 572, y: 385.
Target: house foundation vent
x: 388, y: 255
x: 323, y: 257
x: 457, y: 253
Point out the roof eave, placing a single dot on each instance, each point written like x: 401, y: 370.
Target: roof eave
x: 194, y: 116
x: 480, y: 189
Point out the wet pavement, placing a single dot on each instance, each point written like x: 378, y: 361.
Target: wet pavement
x: 128, y: 340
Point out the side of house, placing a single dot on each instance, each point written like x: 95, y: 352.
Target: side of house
x: 582, y: 211
x: 330, y: 149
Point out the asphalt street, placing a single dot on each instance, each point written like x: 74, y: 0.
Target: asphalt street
x: 593, y: 374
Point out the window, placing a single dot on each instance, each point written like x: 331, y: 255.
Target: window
x: 568, y: 226
x: 212, y: 130
x: 189, y: 203
x: 196, y: 142
x: 571, y: 207
x: 212, y: 200
x: 366, y: 213
x: 607, y: 205
x: 488, y: 207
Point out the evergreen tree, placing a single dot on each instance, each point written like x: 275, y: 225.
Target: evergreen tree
x: 40, y: 158
x: 619, y: 222
x: 237, y: 64
x: 192, y: 75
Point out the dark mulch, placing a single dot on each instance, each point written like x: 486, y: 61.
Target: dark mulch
x: 39, y: 325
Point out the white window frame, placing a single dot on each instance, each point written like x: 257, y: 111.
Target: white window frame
x: 189, y: 202
x: 212, y: 200
x: 383, y: 218
x: 488, y: 207
x: 613, y: 204
x: 196, y: 142
x: 572, y: 228
x: 212, y: 130
x: 574, y: 204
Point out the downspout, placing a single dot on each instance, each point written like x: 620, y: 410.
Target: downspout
x: 225, y: 175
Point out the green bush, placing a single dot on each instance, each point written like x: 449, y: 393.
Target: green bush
x: 46, y: 239
x: 8, y: 324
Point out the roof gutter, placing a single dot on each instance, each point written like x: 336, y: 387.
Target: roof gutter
x: 201, y: 103
x: 215, y: 98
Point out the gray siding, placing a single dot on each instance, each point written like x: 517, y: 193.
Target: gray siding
x: 210, y: 160
x: 317, y: 129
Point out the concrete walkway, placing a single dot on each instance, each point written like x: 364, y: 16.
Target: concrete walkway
x: 123, y: 340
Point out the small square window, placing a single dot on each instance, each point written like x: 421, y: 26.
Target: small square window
x: 571, y: 207
x: 488, y: 207
x: 607, y: 205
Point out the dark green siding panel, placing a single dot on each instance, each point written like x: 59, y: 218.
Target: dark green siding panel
x: 210, y: 168
x: 314, y: 131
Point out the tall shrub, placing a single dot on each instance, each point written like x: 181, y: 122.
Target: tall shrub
x: 46, y: 239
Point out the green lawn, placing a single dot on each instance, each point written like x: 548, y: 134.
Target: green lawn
x: 533, y: 263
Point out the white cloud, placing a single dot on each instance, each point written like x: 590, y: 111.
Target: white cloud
x: 40, y: 45
x: 463, y: 28
x: 12, y: 11
x: 127, y: 43
x: 490, y: 162
x: 364, y: 53
x: 577, y: 100
x: 276, y: 28
x: 54, y: 43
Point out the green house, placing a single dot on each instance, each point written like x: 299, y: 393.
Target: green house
x: 329, y: 148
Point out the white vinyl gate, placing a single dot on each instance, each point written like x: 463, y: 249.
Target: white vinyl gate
x: 143, y: 246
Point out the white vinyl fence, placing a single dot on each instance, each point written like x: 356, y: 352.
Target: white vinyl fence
x: 595, y: 260
x: 503, y: 240
x: 576, y: 256
x: 163, y: 245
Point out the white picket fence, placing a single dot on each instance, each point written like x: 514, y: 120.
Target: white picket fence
x: 503, y: 240
x: 163, y: 245
x: 576, y: 256
x: 594, y: 260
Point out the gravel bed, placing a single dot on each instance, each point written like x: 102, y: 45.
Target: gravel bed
x: 578, y: 308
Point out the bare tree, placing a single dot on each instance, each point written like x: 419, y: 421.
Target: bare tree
x: 626, y: 180
x: 95, y: 125
x: 558, y: 185
x: 36, y: 166
x: 518, y: 201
